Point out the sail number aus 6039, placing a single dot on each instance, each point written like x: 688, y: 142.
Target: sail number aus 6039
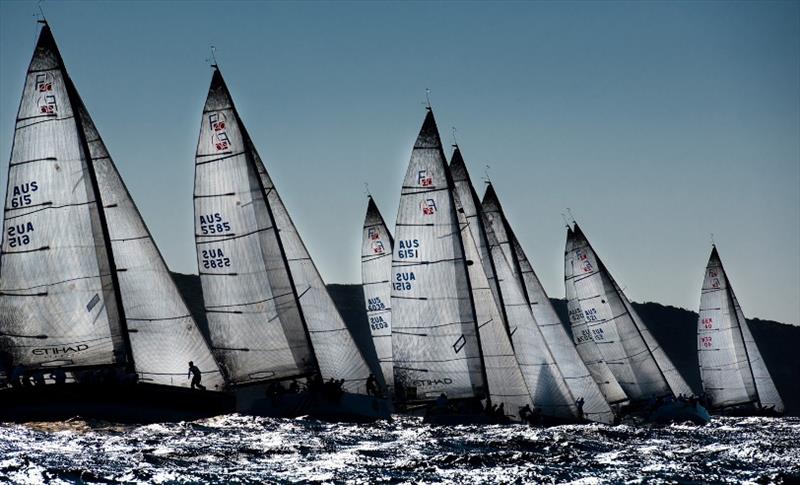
x: 21, y: 194
x: 19, y: 234
x: 375, y: 304
x: 215, y: 258
x: 402, y: 281
x: 214, y: 224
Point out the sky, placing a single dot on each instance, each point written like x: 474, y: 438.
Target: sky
x: 658, y: 124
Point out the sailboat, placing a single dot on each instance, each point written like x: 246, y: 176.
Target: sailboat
x: 271, y: 319
x: 596, y: 396
x: 376, y: 269
x: 91, y: 322
x: 734, y: 375
x: 505, y: 381
x: 639, y: 363
x: 438, y: 366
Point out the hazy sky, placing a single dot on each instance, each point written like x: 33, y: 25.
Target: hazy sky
x: 657, y: 123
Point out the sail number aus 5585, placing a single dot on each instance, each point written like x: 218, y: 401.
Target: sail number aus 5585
x: 214, y: 224
x: 215, y: 258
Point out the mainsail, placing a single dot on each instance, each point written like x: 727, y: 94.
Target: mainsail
x: 640, y: 365
x: 504, y: 377
x: 731, y: 367
x: 270, y: 315
x: 575, y: 372
x: 582, y: 337
x: 376, y: 270
x: 434, y: 339
x: 83, y: 283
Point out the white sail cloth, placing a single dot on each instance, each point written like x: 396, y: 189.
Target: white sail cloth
x: 504, y: 377
x: 638, y: 362
x: 731, y: 367
x: 58, y: 306
x: 576, y: 374
x: 376, y: 269
x: 434, y: 338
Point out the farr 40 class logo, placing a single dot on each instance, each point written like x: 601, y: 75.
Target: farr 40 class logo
x: 428, y: 207
x: 217, y: 123
x: 44, y: 82
x: 377, y: 247
x: 586, y: 266
x: 423, y: 179
x: 373, y: 233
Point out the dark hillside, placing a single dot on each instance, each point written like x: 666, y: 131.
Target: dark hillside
x: 674, y: 328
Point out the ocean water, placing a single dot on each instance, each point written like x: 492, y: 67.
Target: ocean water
x: 243, y: 449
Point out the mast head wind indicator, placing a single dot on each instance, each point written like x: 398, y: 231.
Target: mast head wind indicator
x: 40, y: 18
x: 486, y: 178
x: 428, y: 99
x: 212, y: 60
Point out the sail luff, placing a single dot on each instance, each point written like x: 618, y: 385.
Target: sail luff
x: 376, y: 267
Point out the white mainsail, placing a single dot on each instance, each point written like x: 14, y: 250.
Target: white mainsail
x: 575, y: 372
x: 376, y: 270
x: 503, y: 374
x: 58, y: 303
x: 434, y: 339
x: 640, y: 365
x: 731, y: 367
x: 581, y: 335
x: 254, y: 320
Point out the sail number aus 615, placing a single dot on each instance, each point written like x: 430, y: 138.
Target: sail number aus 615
x: 215, y: 258
x: 403, y: 281
x: 19, y: 234
x: 214, y: 224
x: 21, y: 194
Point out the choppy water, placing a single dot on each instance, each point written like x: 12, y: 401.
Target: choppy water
x: 241, y: 449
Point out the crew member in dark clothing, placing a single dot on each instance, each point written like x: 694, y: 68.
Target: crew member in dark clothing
x: 372, y: 386
x: 196, y: 376
x: 579, y: 405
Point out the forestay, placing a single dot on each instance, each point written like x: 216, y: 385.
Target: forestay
x: 731, y: 367
x: 619, y: 335
x: 581, y: 335
x: 434, y: 339
x: 376, y: 270
x: 504, y: 378
x: 58, y: 303
x: 576, y: 374
x: 254, y: 319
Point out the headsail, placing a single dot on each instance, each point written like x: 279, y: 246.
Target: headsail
x: 164, y: 336
x: 376, y: 270
x: 642, y: 368
x: 504, y: 377
x: 255, y: 323
x: 59, y: 306
x: 575, y: 372
x: 582, y: 336
x: 731, y: 366
x: 434, y: 339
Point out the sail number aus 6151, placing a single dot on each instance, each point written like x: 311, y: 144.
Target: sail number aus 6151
x: 408, y: 248
x: 215, y: 258
x: 19, y: 234
x: 214, y: 224
x: 402, y: 281
x: 21, y: 194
